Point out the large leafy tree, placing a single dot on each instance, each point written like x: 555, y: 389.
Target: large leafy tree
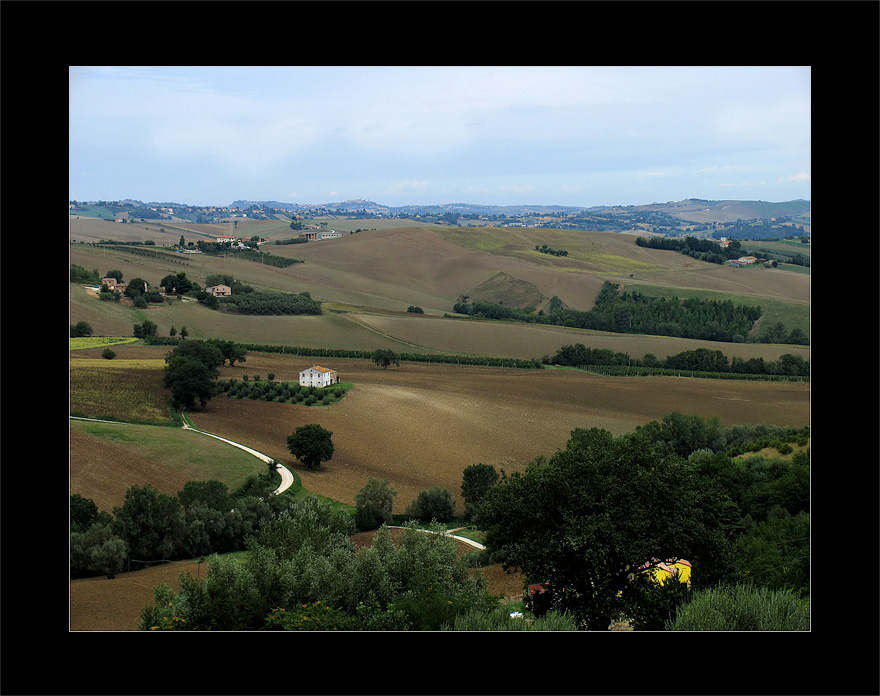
x: 374, y: 503
x: 585, y: 519
x: 384, y: 357
x: 190, y: 371
x: 476, y: 480
x: 150, y: 522
x: 189, y: 380
x: 231, y: 351
x: 311, y: 444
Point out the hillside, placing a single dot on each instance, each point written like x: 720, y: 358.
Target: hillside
x: 387, y: 270
x: 671, y: 217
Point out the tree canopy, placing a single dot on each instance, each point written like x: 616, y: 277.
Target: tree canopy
x: 384, y: 357
x: 311, y: 444
x: 583, y: 520
x: 190, y: 371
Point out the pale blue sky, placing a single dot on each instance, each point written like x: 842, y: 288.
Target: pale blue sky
x: 399, y: 135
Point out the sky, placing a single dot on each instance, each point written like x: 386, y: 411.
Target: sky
x: 408, y: 135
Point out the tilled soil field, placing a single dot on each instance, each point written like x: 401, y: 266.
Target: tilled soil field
x: 421, y: 425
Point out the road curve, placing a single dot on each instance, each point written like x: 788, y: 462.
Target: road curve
x: 286, y: 476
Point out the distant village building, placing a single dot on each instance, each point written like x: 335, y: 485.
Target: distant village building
x: 114, y: 285
x: 317, y: 376
x: 317, y: 235
x: 219, y: 290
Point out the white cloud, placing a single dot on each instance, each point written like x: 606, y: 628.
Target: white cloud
x: 800, y: 176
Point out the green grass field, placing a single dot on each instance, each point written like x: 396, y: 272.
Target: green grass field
x: 196, y: 456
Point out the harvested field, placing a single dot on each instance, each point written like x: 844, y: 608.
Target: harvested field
x: 421, y: 425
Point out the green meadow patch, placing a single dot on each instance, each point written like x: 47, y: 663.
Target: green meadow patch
x: 199, y: 457
x: 98, y: 341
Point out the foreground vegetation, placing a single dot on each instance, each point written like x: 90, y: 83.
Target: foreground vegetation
x: 733, y: 501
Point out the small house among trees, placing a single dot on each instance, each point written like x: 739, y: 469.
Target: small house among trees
x: 317, y: 376
x: 219, y: 290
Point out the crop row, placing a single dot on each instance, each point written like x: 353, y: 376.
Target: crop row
x: 281, y: 392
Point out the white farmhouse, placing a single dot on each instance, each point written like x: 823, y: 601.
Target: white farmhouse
x: 317, y: 376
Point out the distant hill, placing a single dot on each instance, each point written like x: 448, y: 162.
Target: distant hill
x: 734, y: 219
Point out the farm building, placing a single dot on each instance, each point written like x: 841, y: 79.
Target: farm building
x: 317, y: 376
x: 219, y: 290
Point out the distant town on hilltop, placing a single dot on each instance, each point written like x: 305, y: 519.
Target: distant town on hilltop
x: 733, y: 219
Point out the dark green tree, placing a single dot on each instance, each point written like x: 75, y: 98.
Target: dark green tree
x: 80, y: 330
x: 435, y: 503
x: 149, y: 522
x: 212, y: 494
x: 206, y: 352
x: 374, y: 503
x: 476, y: 480
x: 384, y: 357
x: 97, y: 551
x: 148, y: 328
x: 135, y: 288
x: 586, y: 518
x: 83, y: 512
x: 231, y: 351
x: 311, y: 444
x: 189, y: 380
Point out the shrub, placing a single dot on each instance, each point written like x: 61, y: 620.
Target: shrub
x: 743, y: 608
x: 108, y: 354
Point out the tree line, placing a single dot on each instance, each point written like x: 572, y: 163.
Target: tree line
x: 702, y: 249
x: 700, y: 360
x: 633, y: 312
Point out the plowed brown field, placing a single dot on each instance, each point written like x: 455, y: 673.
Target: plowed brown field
x: 421, y: 425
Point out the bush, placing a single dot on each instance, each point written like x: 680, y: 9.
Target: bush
x: 743, y: 608
x: 435, y: 503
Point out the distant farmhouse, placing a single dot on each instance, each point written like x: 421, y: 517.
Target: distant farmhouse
x: 114, y: 285
x: 317, y: 376
x: 219, y: 290
x: 317, y: 235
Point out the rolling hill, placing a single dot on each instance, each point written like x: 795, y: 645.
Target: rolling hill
x: 387, y: 270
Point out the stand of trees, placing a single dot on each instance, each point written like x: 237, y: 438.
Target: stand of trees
x: 702, y: 249
x: 626, y: 312
x: 583, y: 520
x: 700, y: 360
x: 150, y: 526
